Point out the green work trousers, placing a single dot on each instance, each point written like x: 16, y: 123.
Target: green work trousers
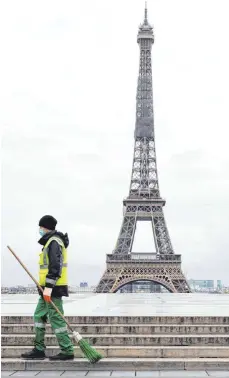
x: 45, y: 311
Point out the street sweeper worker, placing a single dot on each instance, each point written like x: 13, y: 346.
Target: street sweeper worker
x: 53, y: 277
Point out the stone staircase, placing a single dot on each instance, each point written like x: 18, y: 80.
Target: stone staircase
x: 127, y: 343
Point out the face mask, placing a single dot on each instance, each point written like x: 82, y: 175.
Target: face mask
x: 41, y: 232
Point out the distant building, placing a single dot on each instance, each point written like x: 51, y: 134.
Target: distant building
x: 83, y: 284
x: 219, y: 284
x: 202, y: 284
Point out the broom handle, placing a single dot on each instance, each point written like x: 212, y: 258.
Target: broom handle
x: 38, y: 285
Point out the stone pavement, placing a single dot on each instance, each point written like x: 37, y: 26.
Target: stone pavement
x: 120, y: 374
x: 133, y: 304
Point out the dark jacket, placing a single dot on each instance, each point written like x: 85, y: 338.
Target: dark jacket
x: 55, y: 262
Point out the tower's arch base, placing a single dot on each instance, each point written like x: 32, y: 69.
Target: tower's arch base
x: 168, y: 275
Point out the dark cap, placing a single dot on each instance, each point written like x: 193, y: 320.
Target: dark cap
x: 48, y: 222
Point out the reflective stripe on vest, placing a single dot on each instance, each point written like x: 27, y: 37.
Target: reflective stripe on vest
x: 44, y: 265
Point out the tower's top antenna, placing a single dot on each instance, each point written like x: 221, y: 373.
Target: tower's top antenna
x: 146, y: 15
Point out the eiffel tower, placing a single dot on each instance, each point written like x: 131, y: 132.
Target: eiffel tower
x: 144, y: 202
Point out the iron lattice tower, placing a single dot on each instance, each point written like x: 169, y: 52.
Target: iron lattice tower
x: 144, y: 202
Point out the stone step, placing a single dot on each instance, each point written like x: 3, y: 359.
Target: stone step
x: 213, y: 320
x: 124, y: 329
x: 134, y: 351
x: 128, y: 340
x: 130, y: 364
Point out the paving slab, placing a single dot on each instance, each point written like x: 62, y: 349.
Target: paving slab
x: 123, y: 374
x: 50, y: 373
x: 147, y: 374
x: 99, y: 374
x: 183, y: 374
x: 6, y: 373
x: 71, y: 374
x: 25, y: 374
x: 219, y: 373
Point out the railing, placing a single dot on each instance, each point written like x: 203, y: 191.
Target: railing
x: 154, y: 257
x: 26, y: 290
x: 143, y: 256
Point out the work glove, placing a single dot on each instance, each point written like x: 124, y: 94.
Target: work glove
x: 47, y: 294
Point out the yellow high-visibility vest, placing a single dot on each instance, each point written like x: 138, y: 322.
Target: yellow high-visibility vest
x: 44, y: 264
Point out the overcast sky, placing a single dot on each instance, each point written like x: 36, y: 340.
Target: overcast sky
x: 68, y: 85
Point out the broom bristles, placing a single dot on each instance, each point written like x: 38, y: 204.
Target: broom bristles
x: 92, y: 355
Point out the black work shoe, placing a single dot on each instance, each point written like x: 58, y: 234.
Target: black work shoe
x: 34, y: 354
x: 62, y: 357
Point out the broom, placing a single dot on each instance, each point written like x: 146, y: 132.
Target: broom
x: 90, y: 353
